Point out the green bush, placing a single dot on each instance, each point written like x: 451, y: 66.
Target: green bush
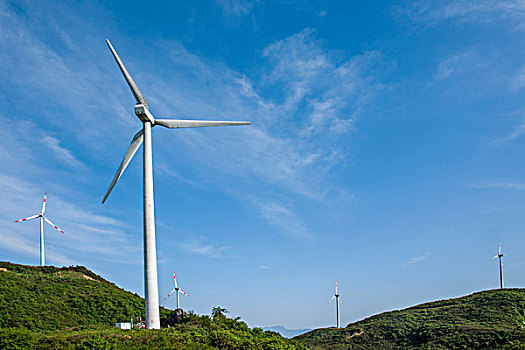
x: 16, y: 339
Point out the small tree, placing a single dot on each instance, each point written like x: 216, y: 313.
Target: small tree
x: 218, y: 312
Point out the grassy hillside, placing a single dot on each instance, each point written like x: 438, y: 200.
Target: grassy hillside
x: 486, y: 320
x: 48, y: 298
x: 73, y: 308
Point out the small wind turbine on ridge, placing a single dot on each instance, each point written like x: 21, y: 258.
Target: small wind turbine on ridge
x: 176, y: 289
x: 144, y: 135
x: 42, y: 219
x: 337, y: 301
x: 500, y: 256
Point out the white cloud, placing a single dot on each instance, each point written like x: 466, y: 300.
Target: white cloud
x: 290, y: 145
x: 86, y: 232
x: 290, y: 148
x: 329, y: 92
x: 62, y: 153
x: 13, y: 242
x: 503, y: 141
x: 518, y: 80
x: 454, y: 65
x: 505, y: 185
x: 417, y: 259
x: 429, y: 12
x: 200, y: 246
x: 282, y: 217
x: 235, y: 8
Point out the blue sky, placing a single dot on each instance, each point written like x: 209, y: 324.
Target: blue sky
x: 384, y: 151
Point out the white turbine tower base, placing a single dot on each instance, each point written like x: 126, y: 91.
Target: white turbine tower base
x: 176, y: 289
x: 500, y: 256
x: 42, y: 219
x: 337, y: 301
x: 144, y: 135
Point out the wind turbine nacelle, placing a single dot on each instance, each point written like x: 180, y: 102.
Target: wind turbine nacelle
x: 142, y: 112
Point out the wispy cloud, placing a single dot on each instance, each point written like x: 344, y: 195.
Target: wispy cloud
x: 329, y: 93
x: 430, y: 12
x: 235, y: 7
x: 417, y: 259
x: 454, y: 64
x: 518, y: 80
x: 62, y: 153
x: 84, y: 230
x: 322, y: 98
x: 287, y: 221
x: 501, y: 142
x: 13, y: 242
x: 324, y: 94
x: 200, y: 246
x: 503, y: 185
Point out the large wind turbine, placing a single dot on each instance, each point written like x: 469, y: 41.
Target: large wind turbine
x: 176, y: 289
x: 337, y: 301
x: 500, y: 256
x: 42, y: 219
x: 144, y: 135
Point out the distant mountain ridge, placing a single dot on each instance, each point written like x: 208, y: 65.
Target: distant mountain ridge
x: 493, y: 319
x: 285, y: 332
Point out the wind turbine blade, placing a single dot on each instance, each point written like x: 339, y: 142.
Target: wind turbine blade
x: 186, y: 294
x: 132, y: 149
x: 332, y: 298
x: 174, y: 280
x: 134, y: 88
x: 169, y: 294
x: 44, y: 204
x: 50, y: 223
x: 28, y: 218
x: 494, y: 257
x: 177, y: 123
x: 499, y: 250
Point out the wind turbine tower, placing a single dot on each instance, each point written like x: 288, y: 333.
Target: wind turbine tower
x: 144, y: 135
x: 176, y: 289
x: 500, y: 256
x: 337, y: 301
x: 42, y: 219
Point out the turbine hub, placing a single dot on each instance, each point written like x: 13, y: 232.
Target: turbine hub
x: 144, y: 115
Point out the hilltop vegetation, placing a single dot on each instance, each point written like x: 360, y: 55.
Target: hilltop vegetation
x: 492, y: 319
x: 73, y: 308
x: 49, y: 298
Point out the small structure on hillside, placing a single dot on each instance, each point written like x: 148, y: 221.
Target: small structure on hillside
x: 123, y: 325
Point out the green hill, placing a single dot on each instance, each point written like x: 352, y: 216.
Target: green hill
x: 73, y: 308
x: 493, y: 319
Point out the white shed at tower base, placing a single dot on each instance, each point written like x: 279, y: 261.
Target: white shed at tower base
x: 123, y: 325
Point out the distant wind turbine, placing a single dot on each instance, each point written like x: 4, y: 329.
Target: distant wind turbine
x: 337, y: 301
x: 176, y: 289
x: 144, y: 135
x: 42, y: 219
x: 500, y: 256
